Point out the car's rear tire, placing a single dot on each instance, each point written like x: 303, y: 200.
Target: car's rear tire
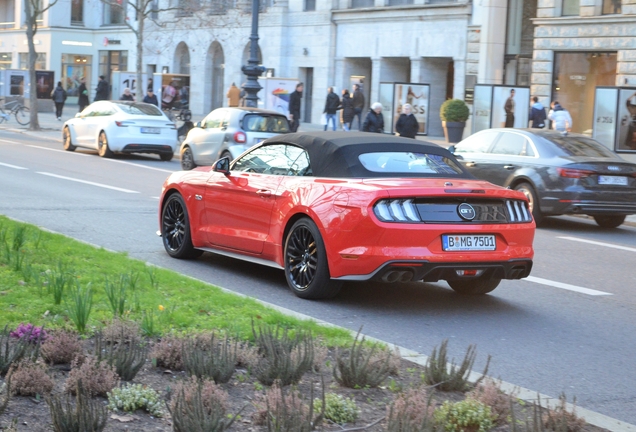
x: 187, y: 159
x: 609, y: 221
x: 102, y: 146
x: 477, y: 286
x: 66, y: 139
x: 227, y: 154
x: 175, y: 229
x: 166, y: 157
x: 306, y: 266
x: 533, y: 201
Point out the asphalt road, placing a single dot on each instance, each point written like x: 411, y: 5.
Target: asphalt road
x: 569, y: 328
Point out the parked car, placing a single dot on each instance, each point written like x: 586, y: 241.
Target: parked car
x: 121, y: 127
x: 337, y: 206
x: 229, y: 132
x: 560, y: 173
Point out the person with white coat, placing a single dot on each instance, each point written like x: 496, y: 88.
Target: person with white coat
x: 561, y: 119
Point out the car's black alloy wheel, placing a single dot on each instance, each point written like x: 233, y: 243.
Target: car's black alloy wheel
x: 175, y: 229
x: 66, y: 138
x: 187, y: 159
x: 609, y: 221
x: 306, y: 266
x: 102, y: 146
x: 474, y: 286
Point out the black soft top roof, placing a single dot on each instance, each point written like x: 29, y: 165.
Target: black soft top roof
x: 335, y: 154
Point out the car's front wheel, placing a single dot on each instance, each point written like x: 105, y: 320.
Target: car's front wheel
x: 66, y: 138
x: 175, y: 229
x: 533, y: 201
x: 187, y: 159
x: 475, y: 286
x: 306, y: 266
x: 102, y: 146
x: 609, y: 221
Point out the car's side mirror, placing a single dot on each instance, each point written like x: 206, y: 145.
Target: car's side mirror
x: 451, y: 148
x: 198, y: 124
x: 222, y: 166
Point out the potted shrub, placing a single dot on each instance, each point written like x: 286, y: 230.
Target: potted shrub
x: 454, y: 113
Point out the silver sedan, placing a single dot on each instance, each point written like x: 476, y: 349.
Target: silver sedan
x: 560, y: 173
x: 229, y: 132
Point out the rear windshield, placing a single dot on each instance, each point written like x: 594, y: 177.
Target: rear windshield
x: 579, y: 146
x: 409, y: 163
x: 140, y: 109
x: 265, y: 123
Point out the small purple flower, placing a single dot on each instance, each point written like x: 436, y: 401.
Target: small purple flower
x: 34, y: 333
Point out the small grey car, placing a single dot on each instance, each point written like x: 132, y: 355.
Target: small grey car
x: 560, y: 173
x: 229, y: 132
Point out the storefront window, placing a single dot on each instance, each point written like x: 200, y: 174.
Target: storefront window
x: 611, y: 7
x: 77, y: 11
x: 40, y: 61
x: 5, y: 61
x: 571, y: 8
x: 576, y: 75
x: 74, y: 67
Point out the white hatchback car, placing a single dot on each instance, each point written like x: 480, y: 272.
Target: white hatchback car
x: 121, y: 127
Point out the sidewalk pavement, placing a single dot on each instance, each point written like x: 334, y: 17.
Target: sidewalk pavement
x: 52, y: 130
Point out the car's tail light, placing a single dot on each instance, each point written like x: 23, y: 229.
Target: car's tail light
x: 239, y: 137
x: 124, y: 123
x: 397, y: 210
x: 574, y: 173
x: 518, y: 211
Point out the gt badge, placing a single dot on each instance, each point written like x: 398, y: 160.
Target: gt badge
x: 466, y: 211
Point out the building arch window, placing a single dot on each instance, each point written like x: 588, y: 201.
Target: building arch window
x: 612, y: 7
x: 182, y: 59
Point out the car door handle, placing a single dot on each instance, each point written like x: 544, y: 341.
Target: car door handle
x: 471, y: 164
x: 509, y: 167
x: 264, y: 193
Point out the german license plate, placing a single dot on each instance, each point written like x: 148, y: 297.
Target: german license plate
x: 612, y: 180
x: 468, y: 242
x: 150, y: 130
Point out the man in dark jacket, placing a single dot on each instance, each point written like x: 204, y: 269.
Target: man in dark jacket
x: 151, y: 98
x: 82, y: 100
x: 294, y: 107
x: 102, y: 91
x: 331, y: 107
x: 407, y: 125
x: 59, y: 97
x: 374, y: 121
x: 358, y: 104
x: 537, y: 114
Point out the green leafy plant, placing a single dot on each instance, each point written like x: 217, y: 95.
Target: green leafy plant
x: 338, y: 409
x: 468, y: 414
x: 133, y: 397
x: 117, y: 295
x: 361, y: 366
x: 210, y: 358
x: 453, y: 378
x: 149, y: 326
x: 454, y: 110
x: 85, y: 415
x: 126, y: 356
x: 57, y: 281
x: 80, y: 305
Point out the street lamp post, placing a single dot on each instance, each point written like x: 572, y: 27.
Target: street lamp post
x: 252, y: 70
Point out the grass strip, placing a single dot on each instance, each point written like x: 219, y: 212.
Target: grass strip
x: 175, y: 302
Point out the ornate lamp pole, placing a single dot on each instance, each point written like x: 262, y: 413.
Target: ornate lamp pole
x: 252, y: 70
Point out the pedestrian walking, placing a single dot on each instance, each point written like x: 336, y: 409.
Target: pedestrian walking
x: 82, y: 100
x: 358, y: 104
x: 537, y: 114
x: 151, y: 98
x: 332, y: 105
x: 561, y: 119
x: 346, y: 112
x: 168, y: 96
x: 102, y: 92
x: 509, y: 108
x: 407, y: 125
x: 59, y: 97
x: 233, y: 96
x: 294, y: 107
x: 127, y: 96
x: 374, y: 121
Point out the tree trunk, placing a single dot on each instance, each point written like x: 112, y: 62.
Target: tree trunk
x: 141, y: 7
x: 31, y: 30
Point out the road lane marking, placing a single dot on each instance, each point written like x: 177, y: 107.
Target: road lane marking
x: 56, y: 150
x: 88, y: 182
x: 565, y: 286
x: 8, y: 142
x: 12, y: 166
x: 631, y: 249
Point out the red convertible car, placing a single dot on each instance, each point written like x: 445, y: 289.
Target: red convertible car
x: 344, y: 206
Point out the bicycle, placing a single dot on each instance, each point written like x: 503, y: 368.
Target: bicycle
x: 20, y: 112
